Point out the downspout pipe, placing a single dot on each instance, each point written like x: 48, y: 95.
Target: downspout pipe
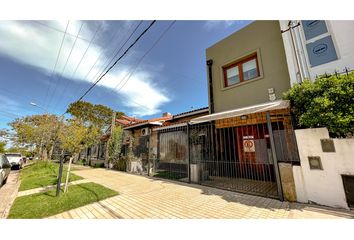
x: 302, y: 57
x: 299, y: 70
x: 210, y: 80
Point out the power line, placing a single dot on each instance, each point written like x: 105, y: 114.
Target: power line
x: 129, y: 75
x: 65, y: 64
x: 118, y: 51
x: 136, y: 40
x: 9, y: 113
x: 83, y: 56
x: 58, y: 30
x: 55, y: 65
x: 147, y: 52
x: 110, y: 59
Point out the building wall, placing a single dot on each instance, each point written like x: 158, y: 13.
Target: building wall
x: 342, y: 33
x: 325, y: 186
x: 263, y: 37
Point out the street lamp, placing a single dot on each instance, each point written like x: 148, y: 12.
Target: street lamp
x: 36, y: 105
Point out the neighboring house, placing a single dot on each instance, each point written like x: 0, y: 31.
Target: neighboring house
x: 96, y: 154
x: 145, y: 141
x: 317, y: 47
x: 248, y: 130
x: 172, y: 159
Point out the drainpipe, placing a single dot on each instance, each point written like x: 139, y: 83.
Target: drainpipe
x: 211, y: 95
x: 302, y: 57
x: 299, y: 72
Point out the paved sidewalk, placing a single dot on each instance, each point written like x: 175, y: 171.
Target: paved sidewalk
x: 45, y: 189
x: 8, y: 193
x: 143, y: 197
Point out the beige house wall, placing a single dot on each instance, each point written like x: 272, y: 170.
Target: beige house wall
x: 263, y: 37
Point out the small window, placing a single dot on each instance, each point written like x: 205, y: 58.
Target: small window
x: 243, y: 70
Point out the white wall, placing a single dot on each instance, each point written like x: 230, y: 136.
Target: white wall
x: 342, y: 33
x: 325, y: 186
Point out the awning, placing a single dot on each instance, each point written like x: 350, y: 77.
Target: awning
x: 264, y: 107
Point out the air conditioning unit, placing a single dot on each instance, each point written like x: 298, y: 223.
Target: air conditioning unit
x: 145, y: 131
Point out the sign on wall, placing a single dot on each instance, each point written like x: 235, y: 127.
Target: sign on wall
x: 313, y: 28
x: 248, y: 145
x: 321, y: 51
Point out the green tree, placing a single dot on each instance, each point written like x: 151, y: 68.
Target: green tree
x: 114, y: 144
x: 74, y: 137
x: 2, y: 146
x: 36, y: 130
x: 91, y: 114
x: 96, y: 117
x: 326, y: 102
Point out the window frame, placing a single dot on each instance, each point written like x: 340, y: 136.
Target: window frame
x: 239, y: 64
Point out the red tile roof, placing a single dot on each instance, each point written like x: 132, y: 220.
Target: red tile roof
x: 143, y: 122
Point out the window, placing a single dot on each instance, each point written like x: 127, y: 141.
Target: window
x: 240, y: 71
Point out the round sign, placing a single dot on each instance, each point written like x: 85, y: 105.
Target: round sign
x: 248, y: 144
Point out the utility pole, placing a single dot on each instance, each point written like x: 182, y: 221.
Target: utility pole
x: 62, y: 156
x: 113, y: 124
x: 42, y: 138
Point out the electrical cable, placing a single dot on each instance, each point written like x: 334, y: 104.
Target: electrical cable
x: 126, y: 51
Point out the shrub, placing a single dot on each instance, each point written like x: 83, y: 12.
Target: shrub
x: 99, y: 165
x: 326, y: 102
x: 120, y: 164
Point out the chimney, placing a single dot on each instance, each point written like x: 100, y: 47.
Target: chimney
x: 166, y: 114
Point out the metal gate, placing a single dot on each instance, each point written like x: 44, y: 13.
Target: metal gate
x: 238, y: 154
x: 172, y: 159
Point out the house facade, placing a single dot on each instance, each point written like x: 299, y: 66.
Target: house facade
x: 140, y: 145
x: 249, y: 130
x: 246, y: 66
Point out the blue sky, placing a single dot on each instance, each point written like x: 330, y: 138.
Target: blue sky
x: 171, y: 78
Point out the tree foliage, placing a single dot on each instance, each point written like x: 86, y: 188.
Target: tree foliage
x: 2, y: 146
x: 73, y: 136
x: 327, y: 102
x: 91, y: 114
x: 36, y: 130
x: 115, y: 143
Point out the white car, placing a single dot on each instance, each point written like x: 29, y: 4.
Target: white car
x: 15, y: 159
x: 5, y: 169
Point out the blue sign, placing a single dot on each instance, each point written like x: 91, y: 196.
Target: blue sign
x: 321, y: 51
x: 313, y: 28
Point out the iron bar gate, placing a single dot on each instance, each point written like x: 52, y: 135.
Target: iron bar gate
x: 238, y: 154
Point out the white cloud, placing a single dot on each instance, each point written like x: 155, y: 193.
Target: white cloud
x: 37, y: 45
x: 142, y: 94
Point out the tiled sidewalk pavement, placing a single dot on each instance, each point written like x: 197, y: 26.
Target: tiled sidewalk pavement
x: 8, y: 193
x: 143, y: 197
x: 44, y: 189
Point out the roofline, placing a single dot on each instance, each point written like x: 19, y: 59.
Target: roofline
x: 170, y: 126
x: 142, y: 124
x: 206, y: 109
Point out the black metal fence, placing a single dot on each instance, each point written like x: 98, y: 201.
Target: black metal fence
x: 238, y: 154
x: 173, y: 157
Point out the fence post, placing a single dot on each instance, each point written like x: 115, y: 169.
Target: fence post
x: 60, y: 174
x: 189, y: 155
x: 275, y: 160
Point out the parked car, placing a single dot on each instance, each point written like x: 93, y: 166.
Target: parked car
x: 15, y: 160
x: 5, y: 168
